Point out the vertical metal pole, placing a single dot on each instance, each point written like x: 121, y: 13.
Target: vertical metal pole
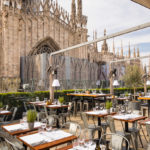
x: 111, y: 82
x: 50, y: 82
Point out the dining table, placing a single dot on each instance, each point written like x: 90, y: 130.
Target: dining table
x: 19, y: 128
x: 99, y: 114
x: 5, y: 112
x: 57, y: 107
x: 130, y: 118
x: 147, y: 98
x: 46, y: 139
x: 93, y: 96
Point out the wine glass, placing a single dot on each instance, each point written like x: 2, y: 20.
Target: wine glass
x: 75, y: 143
x: 82, y: 138
x: 48, y: 127
x: 44, y: 121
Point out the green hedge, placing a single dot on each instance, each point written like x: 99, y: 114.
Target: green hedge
x: 17, y: 98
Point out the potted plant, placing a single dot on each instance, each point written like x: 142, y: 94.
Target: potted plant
x: 108, y: 106
x: 31, y: 117
x: 61, y: 100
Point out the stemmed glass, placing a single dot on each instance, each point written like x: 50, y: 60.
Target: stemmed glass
x: 44, y: 122
x: 82, y: 138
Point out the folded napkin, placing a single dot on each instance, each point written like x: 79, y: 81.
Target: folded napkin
x: 98, y: 112
x: 44, y: 137
x: 15, y: 127
x: 34, y: 139
x: 22, y: 126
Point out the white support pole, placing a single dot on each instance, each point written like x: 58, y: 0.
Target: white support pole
x: 139, y: 27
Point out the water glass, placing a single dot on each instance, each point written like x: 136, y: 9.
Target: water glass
x: 44, y: 121
x: 75, y: 143
x: 48, y: 127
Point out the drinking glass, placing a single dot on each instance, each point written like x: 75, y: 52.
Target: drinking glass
x: 44, y: 121
x: 48, y: 127
x: 75, y: 143
x: 82, y: 138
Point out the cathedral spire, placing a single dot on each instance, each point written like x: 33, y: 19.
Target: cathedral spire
x: 104, y: 46
x: 134, y: 53
x: 79, y: 13
x: 73, y: 12
x: 138, y: 52
x: 113, y: 47
x: 121, y: 49
x: 129, y: 51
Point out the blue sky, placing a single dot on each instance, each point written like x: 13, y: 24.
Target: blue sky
x: 116, y: 15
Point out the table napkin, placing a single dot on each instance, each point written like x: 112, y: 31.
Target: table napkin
x: 34, y: 139
x: 15, y: 127
x: 22, y: 126
x: 98, y: 112
x: 44, y: 137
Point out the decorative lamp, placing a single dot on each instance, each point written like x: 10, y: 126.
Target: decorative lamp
x: 116, y: 83
x: 55, y: 83
x: 148, y: 82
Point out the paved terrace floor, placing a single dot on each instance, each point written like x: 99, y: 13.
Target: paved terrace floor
x: 118, y: 127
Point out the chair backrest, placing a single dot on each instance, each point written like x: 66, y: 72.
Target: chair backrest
x: 11, y: 145
x: 84, y: 118
x: 51, y: 120
x: 25, y: 106
x: 111, y: 123
x: 34, y: 107
x: 46, y: 112
x: 116, y: 141
x: 74, y: 128
x: 40, y: 116
x: 148, y: 131
x: 14, y: 113
x: 148, y: 146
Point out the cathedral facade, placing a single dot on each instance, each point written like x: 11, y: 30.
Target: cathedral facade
x: 32, y: 29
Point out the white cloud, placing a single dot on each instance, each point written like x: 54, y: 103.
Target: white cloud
x: 115, y: 15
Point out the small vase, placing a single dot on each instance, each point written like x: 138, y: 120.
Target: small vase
x: 31, y: 125
x: 108, y: 111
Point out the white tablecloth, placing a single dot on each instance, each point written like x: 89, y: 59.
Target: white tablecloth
x: 4, y: 111
x: 44, y: 137
x: 97, y: 112
x: 126, y: 116
x: 23, y: 126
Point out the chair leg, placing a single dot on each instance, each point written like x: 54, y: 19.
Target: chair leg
x: 140, y: 140
x: 143, y: 133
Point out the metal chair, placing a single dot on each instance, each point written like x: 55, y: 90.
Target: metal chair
x: 74, y: 128
x: 113, y: 130
x: 8, y: 142
x: 91, y: 128
x: 117, y: 141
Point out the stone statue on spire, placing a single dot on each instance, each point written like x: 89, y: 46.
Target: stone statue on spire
x: 121, y: 49
x: 129, y: 51
x: 138, y: 52
x: 79, y: 13
x: 104, y: 46
x: 113, y: 47
x: 73, y: 13
x: 134, y: 53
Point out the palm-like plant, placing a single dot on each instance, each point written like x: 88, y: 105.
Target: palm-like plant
x: 133, y: 77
